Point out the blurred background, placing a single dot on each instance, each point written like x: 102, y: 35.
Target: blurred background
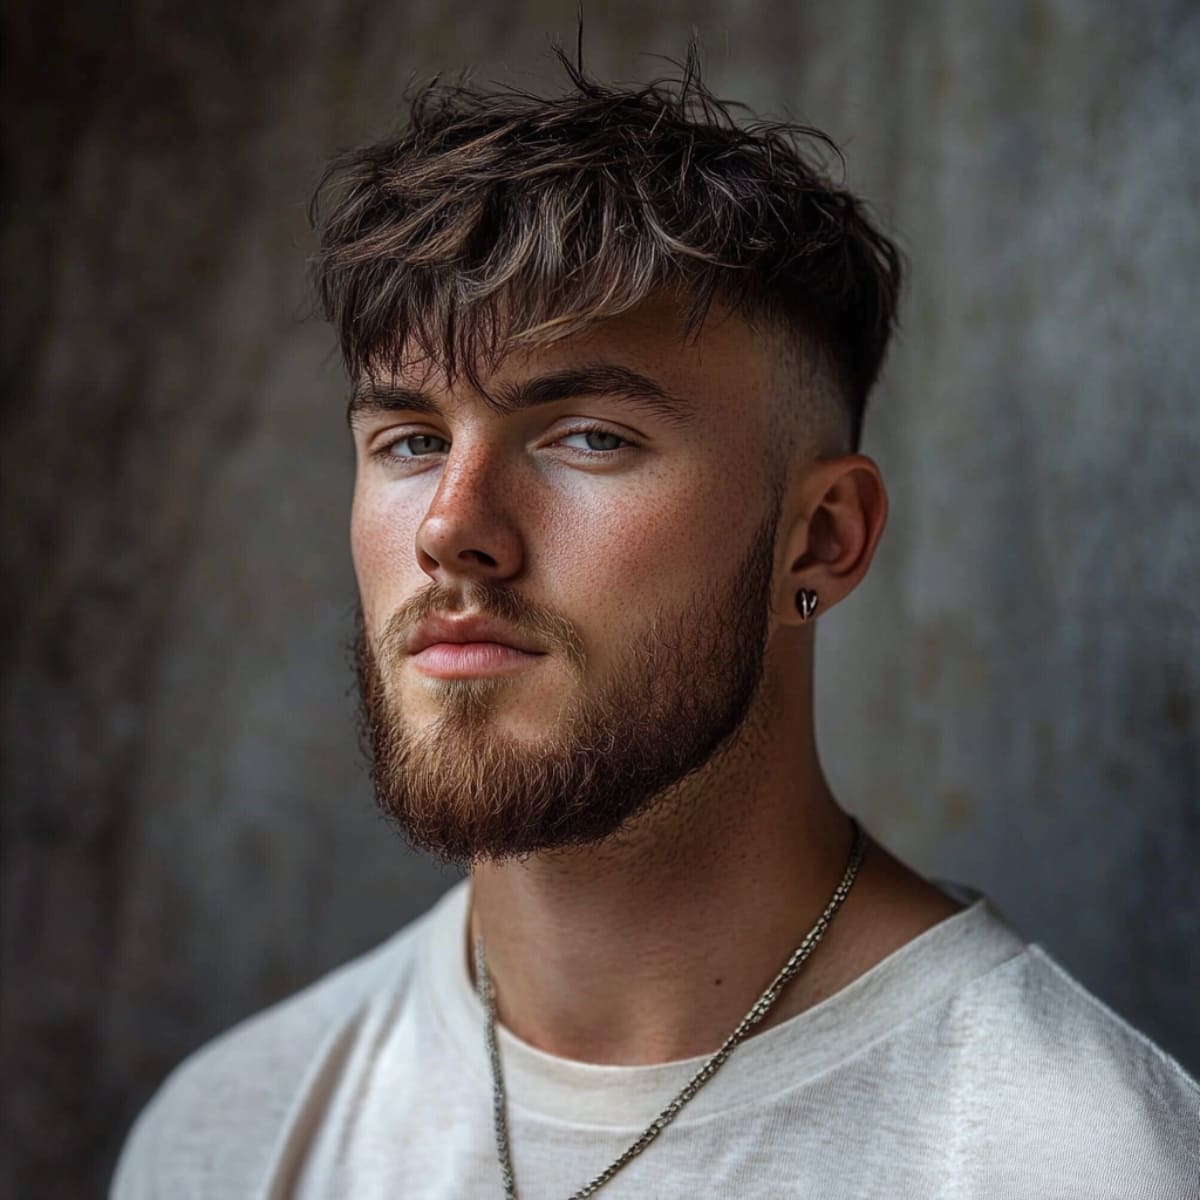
x: 1010, y: 699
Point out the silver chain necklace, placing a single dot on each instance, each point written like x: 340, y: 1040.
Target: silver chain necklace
x: 761, y: 1007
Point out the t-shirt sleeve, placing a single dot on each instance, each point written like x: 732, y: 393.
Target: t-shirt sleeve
x: 213, y: 1126
x: 226, y: 1118
x: 134, y: 1177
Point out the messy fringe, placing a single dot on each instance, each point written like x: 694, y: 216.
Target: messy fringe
x: 498, y: 220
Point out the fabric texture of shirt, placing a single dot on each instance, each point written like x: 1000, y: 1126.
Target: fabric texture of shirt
x: 967, y: 1063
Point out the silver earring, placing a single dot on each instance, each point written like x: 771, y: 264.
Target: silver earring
x: 806, y: 603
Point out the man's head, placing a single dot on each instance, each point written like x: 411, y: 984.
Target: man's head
x: 610, y: 356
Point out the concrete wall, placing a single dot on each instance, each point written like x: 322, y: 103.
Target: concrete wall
x: 1009, y: 700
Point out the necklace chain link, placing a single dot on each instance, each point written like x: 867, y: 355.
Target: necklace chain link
x: 757, y: 1012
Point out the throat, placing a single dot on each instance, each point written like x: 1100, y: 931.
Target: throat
x: 671, y: 987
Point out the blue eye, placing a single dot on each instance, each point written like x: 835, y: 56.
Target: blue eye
x: 597, y: 440
x: 419, y: 445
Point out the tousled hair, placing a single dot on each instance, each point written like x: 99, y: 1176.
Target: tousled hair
x: 498, y: 219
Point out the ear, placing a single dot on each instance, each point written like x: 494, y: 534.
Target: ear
x: 833, y: 525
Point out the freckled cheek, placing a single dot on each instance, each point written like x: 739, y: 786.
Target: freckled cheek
x: 613, y: 563
x: 383, y: 549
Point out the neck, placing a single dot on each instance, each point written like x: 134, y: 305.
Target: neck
x: 652, y: 946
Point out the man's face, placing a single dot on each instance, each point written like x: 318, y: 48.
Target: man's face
x: 565, y: 594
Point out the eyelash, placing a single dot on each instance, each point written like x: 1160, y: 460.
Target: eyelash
x: 383, y: 452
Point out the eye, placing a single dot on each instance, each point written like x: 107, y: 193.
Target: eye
x: 596, y: 440
x: 415, y: 445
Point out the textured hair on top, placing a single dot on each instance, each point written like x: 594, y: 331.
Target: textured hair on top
x: 503, y: 219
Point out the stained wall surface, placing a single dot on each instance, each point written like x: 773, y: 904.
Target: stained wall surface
x: 1010, y: 699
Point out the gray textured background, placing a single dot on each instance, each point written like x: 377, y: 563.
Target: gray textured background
x: 1010, y: 699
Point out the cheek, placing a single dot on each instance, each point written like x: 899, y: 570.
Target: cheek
x: 382, y: 540
x: 625, y: 556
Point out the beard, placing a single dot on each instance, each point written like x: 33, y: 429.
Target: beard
x: 676, y: 699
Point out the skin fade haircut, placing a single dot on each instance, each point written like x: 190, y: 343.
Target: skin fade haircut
x: 498, y: 220
x: 501, y: 221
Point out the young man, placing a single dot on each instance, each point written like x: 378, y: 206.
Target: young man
x: 610, y: 355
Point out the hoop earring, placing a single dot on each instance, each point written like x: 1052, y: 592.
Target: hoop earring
x: 806, y: 603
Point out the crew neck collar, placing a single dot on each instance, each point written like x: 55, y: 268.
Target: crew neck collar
x: 921, y: 972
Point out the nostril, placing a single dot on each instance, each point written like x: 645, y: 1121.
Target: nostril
x: 478, y: 556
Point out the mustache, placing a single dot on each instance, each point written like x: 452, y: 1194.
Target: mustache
x: 536, y: 621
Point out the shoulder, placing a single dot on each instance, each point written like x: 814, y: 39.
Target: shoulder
x: 1056, y: 1027
x: 223, y: 1115
x: 1067, y: 1089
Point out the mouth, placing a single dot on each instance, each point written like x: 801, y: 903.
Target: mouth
x: 464, y: 646
x: 462, y: 660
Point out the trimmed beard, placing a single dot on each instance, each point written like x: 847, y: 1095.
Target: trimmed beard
x: 465, y: 793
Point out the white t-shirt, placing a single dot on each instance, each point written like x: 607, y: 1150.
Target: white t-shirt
x: 965, y: 1064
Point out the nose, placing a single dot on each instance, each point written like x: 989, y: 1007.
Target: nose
x: 467, y: 532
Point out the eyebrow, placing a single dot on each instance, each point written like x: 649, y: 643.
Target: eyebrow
x: 370, y: 397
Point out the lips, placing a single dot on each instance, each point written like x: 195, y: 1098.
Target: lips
x: 465, y: 647
x: 461, y: 630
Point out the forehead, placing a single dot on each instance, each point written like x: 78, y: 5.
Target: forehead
x: 727, y: 363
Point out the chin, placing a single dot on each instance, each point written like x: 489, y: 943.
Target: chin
x: 506, y: 706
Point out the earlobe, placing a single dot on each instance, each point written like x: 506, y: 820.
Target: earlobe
x: 835, y: 528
